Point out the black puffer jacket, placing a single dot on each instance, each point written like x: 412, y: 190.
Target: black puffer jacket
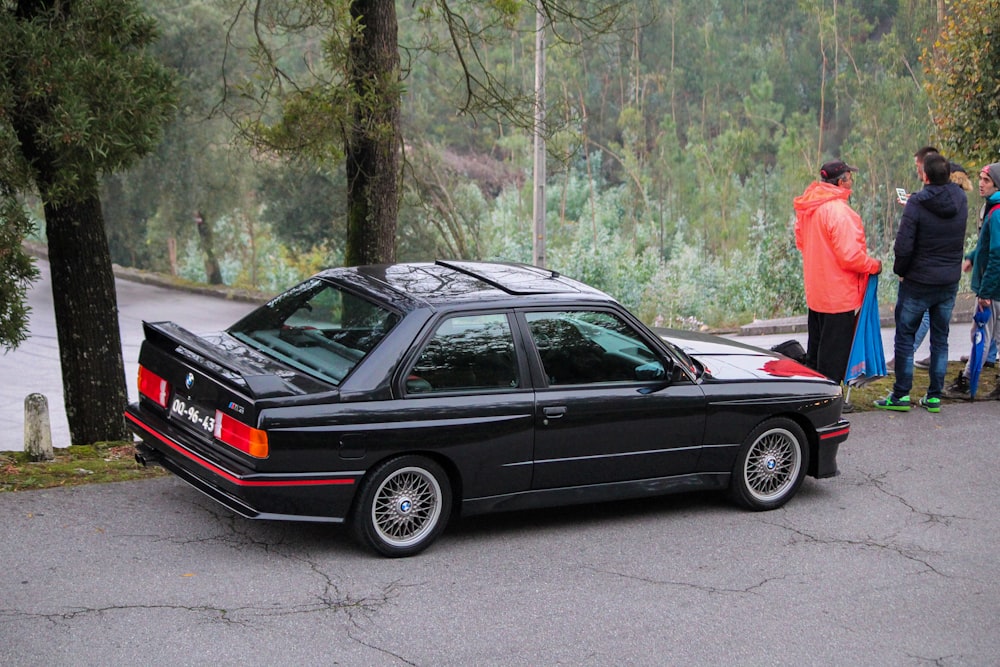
x: 931, y: 235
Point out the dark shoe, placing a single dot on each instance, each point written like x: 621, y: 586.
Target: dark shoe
x: 923, y: 363
x: 846, y: 408
x: 890, y: 403
x: 993, y: 395
x: 959, y: 389
x: 989, y: 364
x: 930, y: 404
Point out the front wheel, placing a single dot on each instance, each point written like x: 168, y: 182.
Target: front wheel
x: 403, y: 505
x: 770, y: 465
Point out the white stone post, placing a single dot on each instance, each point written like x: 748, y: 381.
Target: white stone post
x: 37, y: 432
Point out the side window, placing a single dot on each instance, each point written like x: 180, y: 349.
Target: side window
x: 466, y: 353
x: 582, y: 347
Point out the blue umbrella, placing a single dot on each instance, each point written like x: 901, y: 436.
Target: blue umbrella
x: 981, y: 317
x: 867, y: 359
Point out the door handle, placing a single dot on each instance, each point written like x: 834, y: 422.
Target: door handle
x: 554, y: 412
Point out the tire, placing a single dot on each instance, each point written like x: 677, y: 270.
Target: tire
x: 770, y: 465
x: 403, y: 505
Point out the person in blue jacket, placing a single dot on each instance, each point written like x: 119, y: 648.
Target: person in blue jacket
x: 984, y: 262
x: 928, y: 261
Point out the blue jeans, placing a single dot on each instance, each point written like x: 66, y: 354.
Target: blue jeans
x: 925, y: 326
x: 912, y: 301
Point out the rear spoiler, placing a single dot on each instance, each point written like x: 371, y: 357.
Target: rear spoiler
x: 260, y: 385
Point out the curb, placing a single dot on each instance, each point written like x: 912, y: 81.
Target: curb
x: 965, y: 306
x: 39, y: 250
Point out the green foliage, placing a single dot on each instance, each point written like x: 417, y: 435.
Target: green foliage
x: 676, y: 143
x: 78, y: 97
x: 80, y: 79
x: 303, y: 205
x: 17, y: 270
x: 672, y: 280
x: 962, y: 81
x: 881, y: 144
x: 250, y: 256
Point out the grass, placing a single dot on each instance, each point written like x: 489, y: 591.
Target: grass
x: 863, y: 397
x: 72, y: 466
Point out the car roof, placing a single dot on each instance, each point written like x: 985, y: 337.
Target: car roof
x: 460, y: 282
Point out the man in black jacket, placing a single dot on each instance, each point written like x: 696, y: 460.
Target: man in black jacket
x: 928, y: 250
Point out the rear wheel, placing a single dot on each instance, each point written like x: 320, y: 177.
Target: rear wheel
x: 403, y: 505
x: 770, y: 465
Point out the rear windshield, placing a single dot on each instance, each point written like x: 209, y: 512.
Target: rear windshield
x: 318, y: 328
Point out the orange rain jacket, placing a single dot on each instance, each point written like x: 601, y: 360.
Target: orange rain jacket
x: 831, y: 238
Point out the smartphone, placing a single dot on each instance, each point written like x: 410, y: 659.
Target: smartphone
x: 901, y: 195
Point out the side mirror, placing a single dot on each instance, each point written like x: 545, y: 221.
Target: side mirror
x: 417, y: 385
x: 655, y: 371
x: 650, y: 371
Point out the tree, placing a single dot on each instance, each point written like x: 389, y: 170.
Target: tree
x: 79, y: 97
x: 961, y: 80
x: 352, y: 107
x: 16, y: 270
x: 150, y: 210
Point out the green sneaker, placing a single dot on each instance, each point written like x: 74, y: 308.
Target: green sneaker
x: 930, y: 404
x: 897, y: 404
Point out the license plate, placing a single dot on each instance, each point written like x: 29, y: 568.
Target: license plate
x: 195, y: 415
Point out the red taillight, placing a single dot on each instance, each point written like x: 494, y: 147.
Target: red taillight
x: 236, y: 434
x: 153, y: 387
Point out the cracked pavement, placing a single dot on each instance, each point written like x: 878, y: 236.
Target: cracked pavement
x: 894, y: 562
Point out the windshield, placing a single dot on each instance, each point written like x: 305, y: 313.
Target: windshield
x: 318, y: 328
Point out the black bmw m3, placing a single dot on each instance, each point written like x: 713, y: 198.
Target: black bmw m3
x: 394, y: 397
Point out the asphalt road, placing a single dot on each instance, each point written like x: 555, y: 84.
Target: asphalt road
x: 894, y: 562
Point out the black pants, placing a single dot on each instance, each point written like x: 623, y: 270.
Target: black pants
x: 830, y: 339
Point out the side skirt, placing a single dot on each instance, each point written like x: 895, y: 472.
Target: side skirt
x: 594, y: 493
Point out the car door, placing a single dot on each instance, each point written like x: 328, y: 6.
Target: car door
x: 465, y: 395
x: 605, y: 410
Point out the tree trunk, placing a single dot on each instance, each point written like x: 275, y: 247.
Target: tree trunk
x: 374, y: 139
x: 212, y: 272
x: 86, y: 311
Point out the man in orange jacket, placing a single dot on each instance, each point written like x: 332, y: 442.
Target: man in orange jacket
x: 835, y: 264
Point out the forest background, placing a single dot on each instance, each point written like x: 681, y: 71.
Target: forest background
x: 676, y: 144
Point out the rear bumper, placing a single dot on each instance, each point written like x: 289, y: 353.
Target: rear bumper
x: 288, y: 497
x: 824, y: 464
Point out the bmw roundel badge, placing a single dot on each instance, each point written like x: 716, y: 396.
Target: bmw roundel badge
x: 189, y: 380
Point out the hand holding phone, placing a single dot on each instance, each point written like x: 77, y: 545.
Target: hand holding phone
x: 901, y: 195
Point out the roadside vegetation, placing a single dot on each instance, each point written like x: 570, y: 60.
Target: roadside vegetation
x: 72, y: 466
x: 675, y: 147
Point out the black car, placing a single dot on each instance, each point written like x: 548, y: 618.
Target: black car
x: 393, y: 396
